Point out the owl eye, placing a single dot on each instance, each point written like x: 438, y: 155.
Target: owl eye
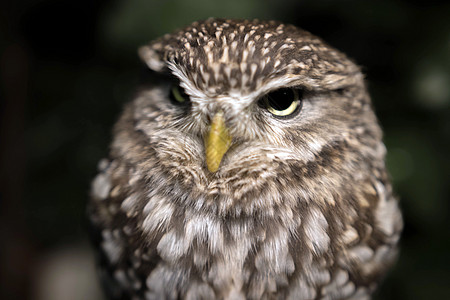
x: 178, y: 95
x: 283, y: 102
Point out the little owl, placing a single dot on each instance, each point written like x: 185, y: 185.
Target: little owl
x: 249, y: 165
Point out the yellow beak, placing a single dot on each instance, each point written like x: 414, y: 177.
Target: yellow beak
x: 217, y: 142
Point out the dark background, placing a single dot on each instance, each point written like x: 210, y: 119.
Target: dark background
x: 67, y: 67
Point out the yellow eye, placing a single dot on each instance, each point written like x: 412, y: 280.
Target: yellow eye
x: 177, y: 94
x: 283, y: 102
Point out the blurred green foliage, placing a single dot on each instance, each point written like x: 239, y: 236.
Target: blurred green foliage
x: 84, y: 68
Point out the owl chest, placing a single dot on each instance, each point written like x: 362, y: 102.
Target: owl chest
x: 202, y: 240
x: 227, y: 255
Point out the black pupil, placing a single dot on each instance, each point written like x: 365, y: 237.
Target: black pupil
x: 281, y: 99
x: 180, y: 91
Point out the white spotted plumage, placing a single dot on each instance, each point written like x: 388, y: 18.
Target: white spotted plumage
x: 301, y: 207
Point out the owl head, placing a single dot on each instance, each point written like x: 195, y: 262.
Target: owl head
x: 240, y: 116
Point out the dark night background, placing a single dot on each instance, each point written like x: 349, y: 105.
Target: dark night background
x: 67, y: 67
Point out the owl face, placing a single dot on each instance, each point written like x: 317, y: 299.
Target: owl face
x: 253, y: 100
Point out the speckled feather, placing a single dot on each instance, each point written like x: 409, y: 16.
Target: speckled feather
x: 300, y: 208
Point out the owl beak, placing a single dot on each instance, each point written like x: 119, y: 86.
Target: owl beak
x: 217, y: 142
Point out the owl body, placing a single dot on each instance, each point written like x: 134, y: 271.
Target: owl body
x: 250, y: 166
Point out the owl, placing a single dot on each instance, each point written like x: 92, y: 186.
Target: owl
x: 249, y: 165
